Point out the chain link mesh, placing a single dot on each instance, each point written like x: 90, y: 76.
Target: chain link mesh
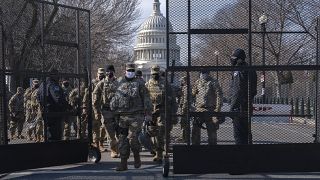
x: 61, y: 46
x: 285, y: 108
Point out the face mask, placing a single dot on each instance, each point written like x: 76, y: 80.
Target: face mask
x: 130, y: 75
x: 101, y: 77
x: 233, y: 61
x: 156, y: 77
x: 110, y: 75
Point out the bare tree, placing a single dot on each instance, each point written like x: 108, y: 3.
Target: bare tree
x: 112, y: 32
x: 281, y: 49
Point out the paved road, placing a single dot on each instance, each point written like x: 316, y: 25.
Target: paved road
x: 149, y: 170
x: 262, y: 133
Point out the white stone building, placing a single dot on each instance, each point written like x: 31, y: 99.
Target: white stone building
x: 151, y: 45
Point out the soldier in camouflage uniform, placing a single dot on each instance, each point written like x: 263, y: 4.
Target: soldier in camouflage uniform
x: 208, y: 98
x: 75, y: 99
x: 132, y: 103
x: 182, y: 109
x: 156, y: 88
x: 85, y: 105
x: 70, y: 119
x: 97, y: 119
x: 139, y: 75
x: 36, y: 112
x: 16, y: 110
x: 27, y: 107
x: 101, y: 97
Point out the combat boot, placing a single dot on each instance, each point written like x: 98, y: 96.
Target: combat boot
x: 158, y: 158
x: 123, y: 166
x: 137, y: 160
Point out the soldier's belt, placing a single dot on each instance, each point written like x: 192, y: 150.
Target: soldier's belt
x: 129, y: 113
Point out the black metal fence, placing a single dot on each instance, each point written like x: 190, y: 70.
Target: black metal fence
x: 37, y: 37
x: 282, y: 45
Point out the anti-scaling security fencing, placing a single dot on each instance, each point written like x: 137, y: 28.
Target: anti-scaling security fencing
x: 44, y: 46
x: 281, y: 42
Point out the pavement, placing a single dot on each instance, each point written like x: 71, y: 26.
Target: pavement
x: 263, y: 133
x: 149, y: 170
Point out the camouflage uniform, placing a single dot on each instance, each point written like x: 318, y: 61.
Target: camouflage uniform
x: 183, y: 104
x: 101, y: 97
x: 85, y: 104
x: 208, y: 97
x: 36, y: 112
x: 28, y: 111
x: 70, y: 119
x: 97, y: 120
x: 156, y: 88
x: 16, y: 110
x: 131, y: 102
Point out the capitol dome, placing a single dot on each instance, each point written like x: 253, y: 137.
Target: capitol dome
x: 151, y: 46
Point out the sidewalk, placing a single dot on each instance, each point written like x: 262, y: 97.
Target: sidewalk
x: 305, y: 121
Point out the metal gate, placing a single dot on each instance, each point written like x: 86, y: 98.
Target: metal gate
x: 44, y: 40
x: 281, y: 41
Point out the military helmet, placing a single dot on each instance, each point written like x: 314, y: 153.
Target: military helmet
x: 155, y: 69
x: 101, y: 71
x: 110, y: 68
x: 19, y: 89
x: 139, y: 73
x: 130, y: 66
x: 184, y: 78
x: 35, y: 81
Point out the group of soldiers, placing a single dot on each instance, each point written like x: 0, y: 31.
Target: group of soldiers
x: 128, y: 108
x: 24, y: 107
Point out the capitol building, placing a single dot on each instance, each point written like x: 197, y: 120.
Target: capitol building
x: 151, y: 46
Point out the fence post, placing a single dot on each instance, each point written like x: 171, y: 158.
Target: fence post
x: 302, y: 107
x: 296, y: 106
x: 308, y: 110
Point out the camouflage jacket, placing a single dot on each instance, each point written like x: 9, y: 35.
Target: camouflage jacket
x: 157, y: 93
x: 207, y: 94
x: 103, y: 93
x: 131, y: 97
x: 16, y: 103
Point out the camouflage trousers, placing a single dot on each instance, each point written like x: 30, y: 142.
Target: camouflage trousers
x: 29, y: 118
x: 71, y: 120
x: 83, y: 125
x: 39, y: 131
x: 212, y: 126
x: 159, y: 138
x: 16, y: 124
x: 96, y: 125
x: 129, y: 128
x: 184, y: 126
x: 109, y: 125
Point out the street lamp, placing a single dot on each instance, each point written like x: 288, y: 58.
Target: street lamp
x: 216, y: 53
x: 263, y: 20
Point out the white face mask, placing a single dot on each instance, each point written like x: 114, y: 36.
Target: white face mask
x: 130, y: 75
